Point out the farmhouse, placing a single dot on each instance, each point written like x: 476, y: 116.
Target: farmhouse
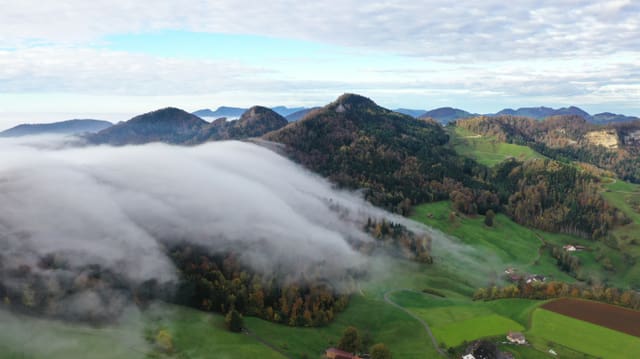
x: 333, y: 353
x: 516, y: 338
x: 533, y: 278
x: 573, y: 247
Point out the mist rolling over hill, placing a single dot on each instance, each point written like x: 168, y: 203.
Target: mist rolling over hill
x: 313, y: 180
x: 137, y: 201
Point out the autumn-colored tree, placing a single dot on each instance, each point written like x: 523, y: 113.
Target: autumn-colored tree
x: 452, y: 217
x: 488, y: 218
x: 164, y: 341
x: 380, y: 351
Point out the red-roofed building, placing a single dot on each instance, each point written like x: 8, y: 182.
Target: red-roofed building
x: 333, y: 353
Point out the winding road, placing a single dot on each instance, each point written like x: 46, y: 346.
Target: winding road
x: 424, y: 324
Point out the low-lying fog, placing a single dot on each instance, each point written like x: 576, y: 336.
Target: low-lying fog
x: 113, y: 205
x: 116, y: 207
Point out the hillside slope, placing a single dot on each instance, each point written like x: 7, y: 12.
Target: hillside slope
x: 613, y: 147
x: 358, y: 144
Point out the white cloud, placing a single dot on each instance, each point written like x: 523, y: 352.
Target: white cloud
x: 437, y: 28
x: 118, y: 207
x: 567, y: 52
x: 69, y: 69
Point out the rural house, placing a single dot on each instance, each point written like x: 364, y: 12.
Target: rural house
x: 333, y: 353
x: 516, y: 338
x: 535, y: 278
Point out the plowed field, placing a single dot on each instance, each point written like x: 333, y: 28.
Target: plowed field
x: 609, y: 316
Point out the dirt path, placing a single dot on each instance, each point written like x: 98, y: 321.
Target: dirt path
x: 424, y: 324
x: 540, y: 249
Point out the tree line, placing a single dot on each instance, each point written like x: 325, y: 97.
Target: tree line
x: 550, y: 290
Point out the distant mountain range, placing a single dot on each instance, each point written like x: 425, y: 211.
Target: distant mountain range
x: 222, y: 111
x: 608, y: 117
x: 542, y: 112
x: 410, y: 112
x: 225, y: 111
x: 298, y: 115
x: 70, y: 127
x: 445, y: 115
x: 175, y: 126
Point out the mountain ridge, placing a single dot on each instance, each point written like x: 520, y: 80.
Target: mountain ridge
x: 68, y: 127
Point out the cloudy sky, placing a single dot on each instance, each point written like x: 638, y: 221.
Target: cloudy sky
x: 115, y: 58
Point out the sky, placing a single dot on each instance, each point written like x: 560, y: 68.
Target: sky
x: 115, y: 59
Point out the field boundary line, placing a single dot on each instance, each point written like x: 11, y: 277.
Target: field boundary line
x: 424, y: 324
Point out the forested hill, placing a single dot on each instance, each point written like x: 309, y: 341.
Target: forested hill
x: 399, y: 160
x: 170, y: 125
x: 255, y: 122
x: 613, y: 147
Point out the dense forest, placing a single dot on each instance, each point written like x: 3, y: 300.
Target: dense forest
x: 210, y: 281
x: 399, y: 161
x: 554, y: 197
x: 254, y: 122
x: 393, y: 157
x: 220, y: 283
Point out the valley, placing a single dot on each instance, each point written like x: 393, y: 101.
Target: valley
x: 500, y: 220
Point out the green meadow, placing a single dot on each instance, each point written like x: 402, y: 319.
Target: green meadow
x: 194, y: 335
x: 549, y: 328
x: 626, y: 197
x: 486, y: 150
x: 454, y: 321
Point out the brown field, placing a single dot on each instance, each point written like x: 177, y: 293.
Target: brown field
x: 609, y: 316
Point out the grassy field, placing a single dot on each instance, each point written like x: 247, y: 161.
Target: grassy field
x: 510, y: 244
x: 404, y: 335
x: 195, y: 335
x: 370, y: 314
x: 626, y: 197
x: 548, y: 328
x: 486, y: 150
x: 506, y: 243
x: 454, y: 321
